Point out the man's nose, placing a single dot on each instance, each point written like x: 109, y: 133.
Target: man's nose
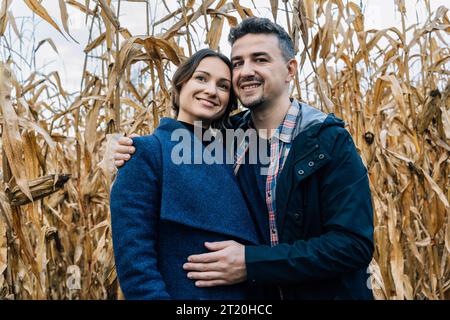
x: 247, y: 70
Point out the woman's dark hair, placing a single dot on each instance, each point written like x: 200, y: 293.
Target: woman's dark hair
x: 185, y: 72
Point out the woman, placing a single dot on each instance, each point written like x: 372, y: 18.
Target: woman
x: 161, y: 211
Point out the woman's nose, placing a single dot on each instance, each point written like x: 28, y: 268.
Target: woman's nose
x: 210, y: 88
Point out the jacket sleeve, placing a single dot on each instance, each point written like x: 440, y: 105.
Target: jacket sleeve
x: 347, y: 242
x: 135, y: 205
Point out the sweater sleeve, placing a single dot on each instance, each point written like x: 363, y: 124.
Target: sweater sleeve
x: 347, y: 242
x: 135, y: 208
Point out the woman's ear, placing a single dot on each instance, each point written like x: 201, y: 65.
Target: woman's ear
x: 292, y: 66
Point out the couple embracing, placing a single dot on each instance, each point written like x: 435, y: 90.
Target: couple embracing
x: 289, y: 218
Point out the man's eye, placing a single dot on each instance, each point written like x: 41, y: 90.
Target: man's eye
x: 237, y: 64
x: 260, y: 60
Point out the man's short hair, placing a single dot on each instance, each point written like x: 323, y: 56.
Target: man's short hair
x: 257, y: 25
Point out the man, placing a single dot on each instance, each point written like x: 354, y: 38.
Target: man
x: 311, y: 203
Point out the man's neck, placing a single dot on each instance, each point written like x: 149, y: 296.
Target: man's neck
x: 268, y: 118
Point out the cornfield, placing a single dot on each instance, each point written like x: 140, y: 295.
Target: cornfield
x: 391, y: 86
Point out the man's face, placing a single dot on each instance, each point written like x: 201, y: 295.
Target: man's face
x: 260, y: 72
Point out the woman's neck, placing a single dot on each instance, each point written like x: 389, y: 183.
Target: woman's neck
x: 193, y: 121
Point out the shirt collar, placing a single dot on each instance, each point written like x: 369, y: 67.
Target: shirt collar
x: 287, y: 127
x: 285, y: 132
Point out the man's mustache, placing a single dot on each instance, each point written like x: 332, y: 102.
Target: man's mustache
x: 250, y: 79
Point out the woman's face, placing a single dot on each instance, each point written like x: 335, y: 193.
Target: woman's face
x: 204, y: 97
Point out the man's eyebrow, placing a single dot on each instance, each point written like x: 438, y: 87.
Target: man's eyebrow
x: 262, y: 53
x: 206, y: 72
x: 254, y: 54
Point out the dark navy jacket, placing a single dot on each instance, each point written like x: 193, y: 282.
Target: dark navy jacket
x: 324, y: 217
x: 162, y: 212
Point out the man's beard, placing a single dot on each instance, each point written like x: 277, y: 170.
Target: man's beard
x: 258, y: 101
x: 252, y: 105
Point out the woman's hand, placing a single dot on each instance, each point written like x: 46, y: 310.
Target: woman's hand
x: 123, y: 149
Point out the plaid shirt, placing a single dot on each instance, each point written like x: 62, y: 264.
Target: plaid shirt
x: 280, y: 144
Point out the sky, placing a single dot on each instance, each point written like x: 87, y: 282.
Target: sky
x: 69, y: 59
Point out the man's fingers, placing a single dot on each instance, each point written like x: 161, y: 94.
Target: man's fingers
x: 121, y: 156
x: 119, y: 163
x: 204, y: 257
x: 219, y: 245
x: 125, y: 141
x: 125, y: 149
x: 211, y: 275
x: 212, y: 283
x: 202, y: 267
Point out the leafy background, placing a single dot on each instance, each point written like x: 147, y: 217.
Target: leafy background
x: 390, y: 86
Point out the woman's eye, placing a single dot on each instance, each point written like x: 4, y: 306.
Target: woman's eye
x: 200, y: 78
x: 224, y: 86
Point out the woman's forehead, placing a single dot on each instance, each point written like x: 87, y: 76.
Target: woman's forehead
x: 214, y: 66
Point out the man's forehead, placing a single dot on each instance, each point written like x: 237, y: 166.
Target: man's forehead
x: 254, y: 43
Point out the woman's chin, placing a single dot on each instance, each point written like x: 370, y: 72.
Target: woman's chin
x: 207, y: 117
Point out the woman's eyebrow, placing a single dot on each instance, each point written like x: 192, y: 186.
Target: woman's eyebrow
x: 206, y: 72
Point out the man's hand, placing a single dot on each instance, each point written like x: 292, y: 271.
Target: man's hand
x: 225, y: 265
x: 123, y: 149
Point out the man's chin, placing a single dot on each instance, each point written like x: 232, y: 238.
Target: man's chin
x: 253, y: 104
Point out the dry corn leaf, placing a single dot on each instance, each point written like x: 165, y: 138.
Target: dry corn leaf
x: 95, y: 43
x: 13, y: 24
x: 3, y: 247
x: 4, y: 16
x: 109, y: 14
x: 80, y: 7
x: 274, y: 8
x: 37, y: 8
x: 49, y: 41
x: 11, y: 137
x: 65, y: 18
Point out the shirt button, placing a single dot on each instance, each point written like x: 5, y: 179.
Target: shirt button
x: 311, y: 163
x: 297, y: 216
x: 301, y: 172
x: 273, y: 230
x: 321, y: 156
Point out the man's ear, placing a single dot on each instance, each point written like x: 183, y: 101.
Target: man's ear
x: 292, y: 66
